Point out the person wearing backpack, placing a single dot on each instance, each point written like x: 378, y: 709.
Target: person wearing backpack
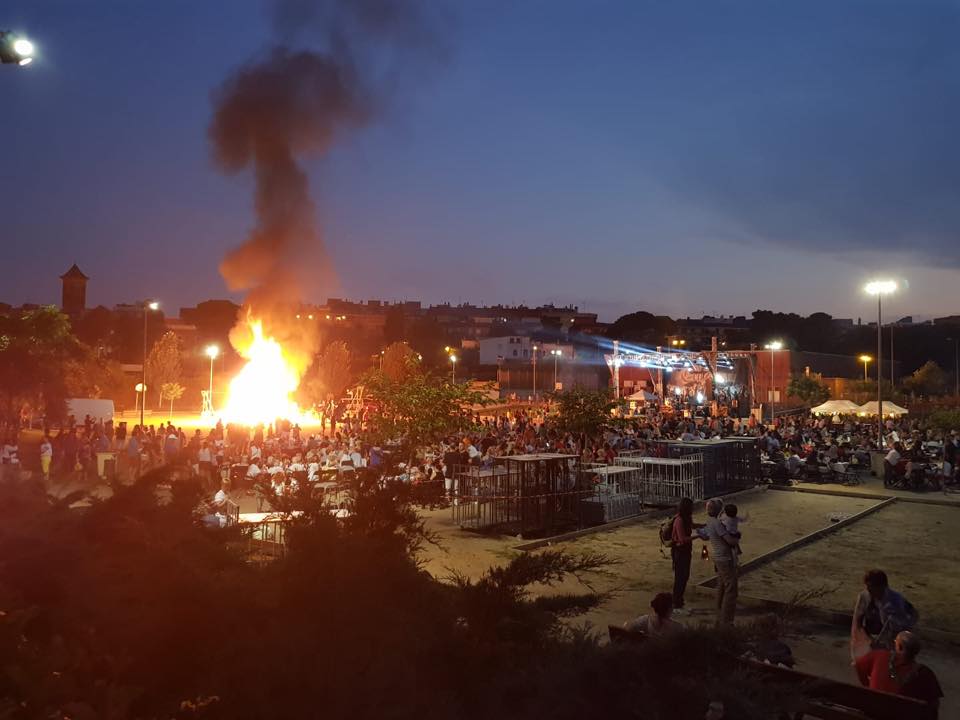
x: 681, y: 549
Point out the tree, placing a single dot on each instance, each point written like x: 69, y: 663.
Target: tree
x: 164, y: 363
x: 808, y: 388
x: 945, y: 420
x: 398, y: 361
x: 171, y: 391
x: 93, y: 375
x: 329, y: 375
x: 929, y: 379
x: 642, y: 327
x: 418, y: 408
x: 334, y: 368
x: 583, y: 412
x: 35, y: 348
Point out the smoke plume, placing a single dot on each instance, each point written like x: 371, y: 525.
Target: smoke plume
x: 290, y: 104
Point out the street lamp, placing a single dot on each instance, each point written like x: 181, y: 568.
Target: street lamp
x: 453, y: 369
x: 773, y: 347
x: 556, y: 356
x: 212, y: 352
x: 865, y: 359
x: 147, y: 305
x: 140, y: 388
x: 535, y: 348
x: 880, y: 288
x: 14, y: 49
x: 956, y: 343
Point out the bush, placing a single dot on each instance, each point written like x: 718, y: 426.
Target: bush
x: 129, y: 608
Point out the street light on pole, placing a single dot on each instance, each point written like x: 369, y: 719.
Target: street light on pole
x: 773, y: 347
x: 212, y: 352
x: 453, y: 369
x: 15, y: 49
x: 865, y: 359
x: 880, y: 288
x: 956, y: 360
x: 535, y: 348
x: 556, y: 356
x: 147, y: 306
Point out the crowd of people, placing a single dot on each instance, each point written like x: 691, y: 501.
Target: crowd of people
x: 796, y: 448
x: 226, y: 458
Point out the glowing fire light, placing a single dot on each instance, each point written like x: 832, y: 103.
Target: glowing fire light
x: 260, y: 393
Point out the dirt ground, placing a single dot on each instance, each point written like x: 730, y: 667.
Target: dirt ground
x: 915, y: 544
x: 642, y: 569
x: 774, y: 519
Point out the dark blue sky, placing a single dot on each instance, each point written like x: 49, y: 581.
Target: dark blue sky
x: 682, y: 157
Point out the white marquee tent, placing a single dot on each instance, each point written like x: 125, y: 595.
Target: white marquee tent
x: 836, y: 407
x: 642, y: 396
x: 889, y: 408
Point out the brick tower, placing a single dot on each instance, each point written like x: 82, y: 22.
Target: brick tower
x: 74, y: 297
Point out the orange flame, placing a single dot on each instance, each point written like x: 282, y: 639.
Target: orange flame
x: 260, y: 393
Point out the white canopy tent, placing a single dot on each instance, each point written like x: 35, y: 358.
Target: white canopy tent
x: 889, y: 408
x: 642, y: 396
x: 836, y: 407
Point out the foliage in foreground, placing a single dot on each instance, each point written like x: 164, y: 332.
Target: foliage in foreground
x: 129, y: 609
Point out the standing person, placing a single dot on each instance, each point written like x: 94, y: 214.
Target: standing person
x: 171, y: 446
x: 46, y: 457
x: 205, y: 463
x: 132, y: 452
x: 681, y: 550
x: 897, y: 671
x: 723, y: 548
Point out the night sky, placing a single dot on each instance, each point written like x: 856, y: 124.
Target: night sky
x: 678, y: 157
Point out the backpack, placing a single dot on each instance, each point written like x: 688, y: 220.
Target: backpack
x: 666, y: 532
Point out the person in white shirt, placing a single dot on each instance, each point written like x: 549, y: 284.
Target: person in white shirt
x: 217, y: 516
x: 890, y: 465
x: 658, y: 623
x: 10, y: 458
x: 205, y: 463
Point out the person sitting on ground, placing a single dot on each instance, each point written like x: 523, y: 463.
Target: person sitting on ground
x: 659, y: 623
x: 879, y: 614
x: 897, y: 671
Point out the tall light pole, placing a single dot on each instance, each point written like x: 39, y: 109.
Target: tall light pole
x: 956, y: 360
x: 147, y: 306
x: 15, y: 49
x: 212, y: 352
x: 535, y: 348
x: 865, y: 359
x: 453, y: 369
x: 880, y: 288
x: 773, y: 347
x: 556, y: 356
x: 892, y: 366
